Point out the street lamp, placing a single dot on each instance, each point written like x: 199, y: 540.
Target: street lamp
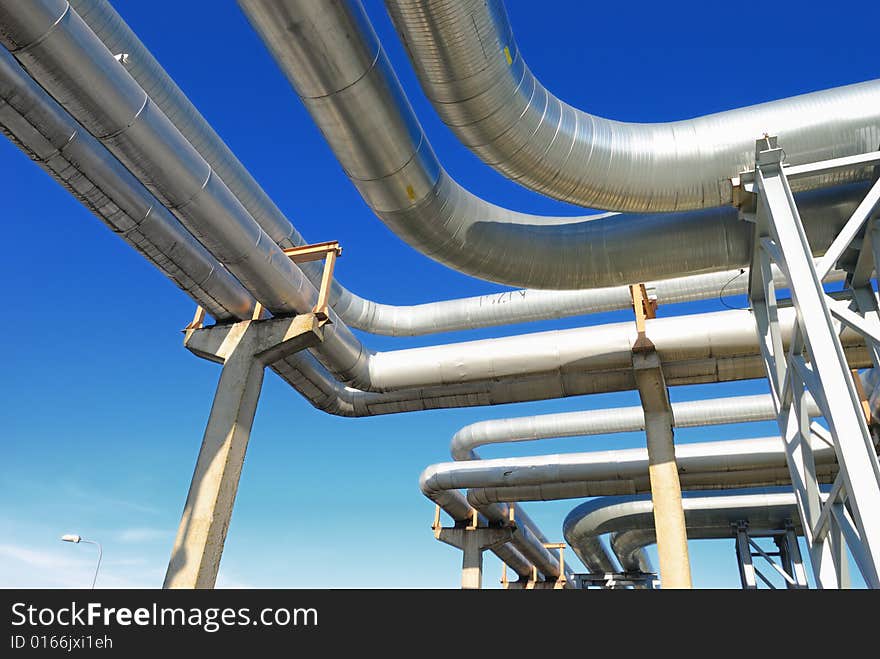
x: 76, y: 539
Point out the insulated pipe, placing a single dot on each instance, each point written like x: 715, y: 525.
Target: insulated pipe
x: 59, y: 50
x: 98, y: 88
x: 708, y: 515
x: 308, y: 376
x: 55, y: 141
x: 700, y: 480
x: 634, y: 560
x: 374, y: 317
x: 680, y: 341
x: 121, y: 188
x: 470, y: 67
x: 742, y: 461
x: 629, y: 547
x: 323, y: 391
x: 359, y: 312
x: 68, y: 59
x: 520, y: 478
x: 341, y: 352
x: 482, y: 311
x: 351, y: 91
x: 526, y: 305
x: 688, y: 414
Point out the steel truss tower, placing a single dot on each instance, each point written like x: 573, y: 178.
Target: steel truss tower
x: 813, y: 364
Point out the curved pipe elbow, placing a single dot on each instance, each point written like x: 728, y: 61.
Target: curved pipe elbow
x: 470, y: 67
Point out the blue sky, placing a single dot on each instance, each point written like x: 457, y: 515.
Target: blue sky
x: 102, y: 409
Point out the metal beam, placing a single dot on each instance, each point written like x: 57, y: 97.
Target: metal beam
x: 779, y: 233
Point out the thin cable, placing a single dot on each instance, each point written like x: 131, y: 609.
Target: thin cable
x: 721, y: 292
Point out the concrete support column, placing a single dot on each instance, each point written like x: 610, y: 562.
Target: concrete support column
x: 669, y: 522
x: 244, y: 349
x: 473, y: 542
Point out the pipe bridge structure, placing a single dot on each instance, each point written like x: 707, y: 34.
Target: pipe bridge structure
x: 778, y: 202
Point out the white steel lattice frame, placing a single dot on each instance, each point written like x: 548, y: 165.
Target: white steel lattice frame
x: 815, y: 364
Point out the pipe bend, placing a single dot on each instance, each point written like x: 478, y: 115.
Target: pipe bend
x: 428, y: 209
x: 471, y: 69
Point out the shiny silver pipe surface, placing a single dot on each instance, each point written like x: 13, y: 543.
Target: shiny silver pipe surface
x: 630, y: 520
x: 599, y: 473
x: 356, y: 311
x: 687, y: 414
x: 351, y: 91
x: 471, y: 68
x: 59, y: 145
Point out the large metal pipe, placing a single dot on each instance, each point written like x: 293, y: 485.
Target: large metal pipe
x: 68, y: 59
x: 59, y: 50
x: 85, y: 37
x: 708, y: 480
x: 351, y: 91
x: 123, y: 183
x: 37, y: 112
x: 356, y: 311
x: 592, y: 422
x: 470, y: 67
x: 708, y: 515
x: 65, y: 56
x: 371, y: 316
x: 303, y: 372
x: 708, y: 465
x: 343, y: 354
x: 519, y: 306
x: 687, y: 414
x: 55, y: 141
x: 682, y: 342
x: 35, y: 108
x: 310, y: 377
x: 599, y: 473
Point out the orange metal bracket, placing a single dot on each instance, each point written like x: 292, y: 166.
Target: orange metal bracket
x: 560, y: 580
x: 329, y: 251
x: 645, y: 308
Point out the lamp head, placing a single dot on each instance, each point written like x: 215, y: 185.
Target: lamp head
x: 69, y: 537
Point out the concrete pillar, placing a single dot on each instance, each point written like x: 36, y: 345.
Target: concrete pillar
x: 669, y: 522
x: 472, y: 562
x: 244, y: 349
x: 473, y: 542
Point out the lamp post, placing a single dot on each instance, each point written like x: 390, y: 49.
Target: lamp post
x: 76, y: 539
